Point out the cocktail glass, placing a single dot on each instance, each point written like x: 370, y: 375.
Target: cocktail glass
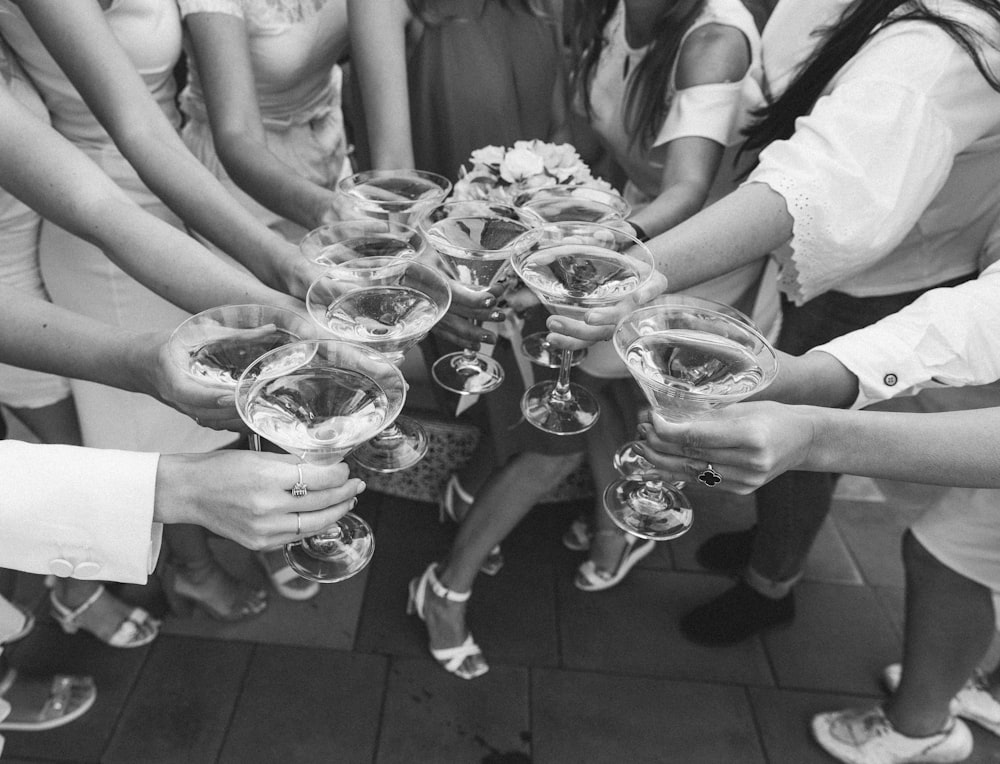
x: 395, y: 195
x: 475, y: 250
x: 575, y: 204
x: 365, y: 237
x: 389, y: 305
x: 689, y: 356
x: 318, y: 400
x: 572, y: 268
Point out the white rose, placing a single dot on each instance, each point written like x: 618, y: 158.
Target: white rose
x: 490, y: 155
x: 520, y: 163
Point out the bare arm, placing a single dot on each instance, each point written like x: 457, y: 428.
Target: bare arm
x: 79, y: 39
x: 48, y: 173
x: 222, y: 54
x: 378, y: 51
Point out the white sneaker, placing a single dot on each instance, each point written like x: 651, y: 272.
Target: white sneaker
x: 974, y: 701
x: 865, y: 736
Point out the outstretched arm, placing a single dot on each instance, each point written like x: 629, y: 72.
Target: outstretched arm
x: 79, y: 39
x: 222, y: 53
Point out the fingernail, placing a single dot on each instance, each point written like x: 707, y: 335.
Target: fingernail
x: 497, y: 316
x: 354, y: 503
x: 644, y: 430
x: 484, y: 338
x: 555, y: 325
x: 225, y: 400
x: 361, y: 486
x: 488, y: 302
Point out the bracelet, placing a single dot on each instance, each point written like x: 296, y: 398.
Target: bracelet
x: 640, y: 233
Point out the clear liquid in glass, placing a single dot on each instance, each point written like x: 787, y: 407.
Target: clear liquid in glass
x: 393, y: 193
x: 389, y: 318
x: 221, y: 362
x: 567, y: 282
x: 324, y: 411
x: 472, y: 246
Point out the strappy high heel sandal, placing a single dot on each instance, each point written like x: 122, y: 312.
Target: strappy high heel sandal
x: 184, y: 597
x: 448, y: 510
x: 577, y: 537
x: 138, y: 628
x: 590, y: 578
x: 452, y: 659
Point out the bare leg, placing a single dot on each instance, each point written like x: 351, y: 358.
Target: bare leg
x: 949, y: 627
x: 505, y: 499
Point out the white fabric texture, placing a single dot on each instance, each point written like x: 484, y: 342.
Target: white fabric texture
x: 83, y: 508
x: 891, y: 179
x: 947, y: 337
x: 78, y: 275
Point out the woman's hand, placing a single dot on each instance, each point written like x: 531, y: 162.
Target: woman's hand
x: 748, y: 444
x: 246, y: 496
x: 599, y: 323
x: 468, y: 305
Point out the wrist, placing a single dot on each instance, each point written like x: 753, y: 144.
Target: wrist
x: 640, y: 232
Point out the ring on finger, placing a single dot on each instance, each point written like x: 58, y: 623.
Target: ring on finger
x: 299, y: 489
x: 710, y: 477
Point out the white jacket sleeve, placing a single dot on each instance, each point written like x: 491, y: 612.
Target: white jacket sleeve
x: 946, y: 338
x: 78, y: 512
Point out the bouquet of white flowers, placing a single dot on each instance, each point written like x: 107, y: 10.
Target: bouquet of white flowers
x: 502, y: 174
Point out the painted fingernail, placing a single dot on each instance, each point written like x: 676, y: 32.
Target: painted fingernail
x: 484, y: 338
x: 555, y: 325
x: 497, y: 316
x: 361, y: 486
x: 488, y: 302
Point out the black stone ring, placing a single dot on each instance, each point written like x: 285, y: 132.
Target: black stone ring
x: 710, y: 477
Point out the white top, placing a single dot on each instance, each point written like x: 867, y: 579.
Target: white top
x: 879, y: 177
x: 716, y: 111
x: 78, y: 512
x: 294, y: 47
x: 946, y: 338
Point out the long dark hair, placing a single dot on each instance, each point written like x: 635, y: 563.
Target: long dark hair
x: 645, y: 105
x: 432, y: 17
x: 841, y: 41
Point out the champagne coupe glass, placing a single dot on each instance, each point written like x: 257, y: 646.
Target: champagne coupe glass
x: 395, y: 195
x: 689, y: 356
x: 365, y: 237
x: 572, y: 268
x: 559, y: 204
x: 215, y: 346
x: 389, y: 305
x: 476, y: 250
x: 319, y: 399
x: 576, y: 204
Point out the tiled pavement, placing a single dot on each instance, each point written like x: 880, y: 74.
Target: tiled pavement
x: 575, y: 677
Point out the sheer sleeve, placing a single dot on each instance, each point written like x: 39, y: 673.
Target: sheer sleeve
x: 863, y: 166
x: 946, y: 338
x: 229, y: 7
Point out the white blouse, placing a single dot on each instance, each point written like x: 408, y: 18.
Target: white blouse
x: 892, y: 178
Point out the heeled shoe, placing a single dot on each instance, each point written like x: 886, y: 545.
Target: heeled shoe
x: 68, y: 698
x: 287, y: 582
x: 452, y: 659
x: 590, y: 578
x: 138, y: 628
x: 447, y: 510
x: 184, y: 597
x: 26, y: 628
x: 577, y: 537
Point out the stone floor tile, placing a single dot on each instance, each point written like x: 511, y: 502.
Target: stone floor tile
x: 182, y: 704
x: 874, y: 536
x: 632, y: 629
x: 596, y: 718
x: 714, y: 512
x: 839, y: 641
x: 302, y: 705
x: 891, y: 598
x: 431, y: 716
x: 830, y: 560
x: 47, y: 651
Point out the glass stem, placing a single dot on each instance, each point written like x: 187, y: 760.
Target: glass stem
x: 561, y: 392
x: 469, y: 355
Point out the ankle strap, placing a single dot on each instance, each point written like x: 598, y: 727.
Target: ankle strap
x: 72, y: 614
x: 443, y: 591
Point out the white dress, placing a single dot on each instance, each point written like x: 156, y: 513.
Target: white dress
x: 294, y: 47
x: 19, y: 268
x: 716, y: 111
x: 78, y: 275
